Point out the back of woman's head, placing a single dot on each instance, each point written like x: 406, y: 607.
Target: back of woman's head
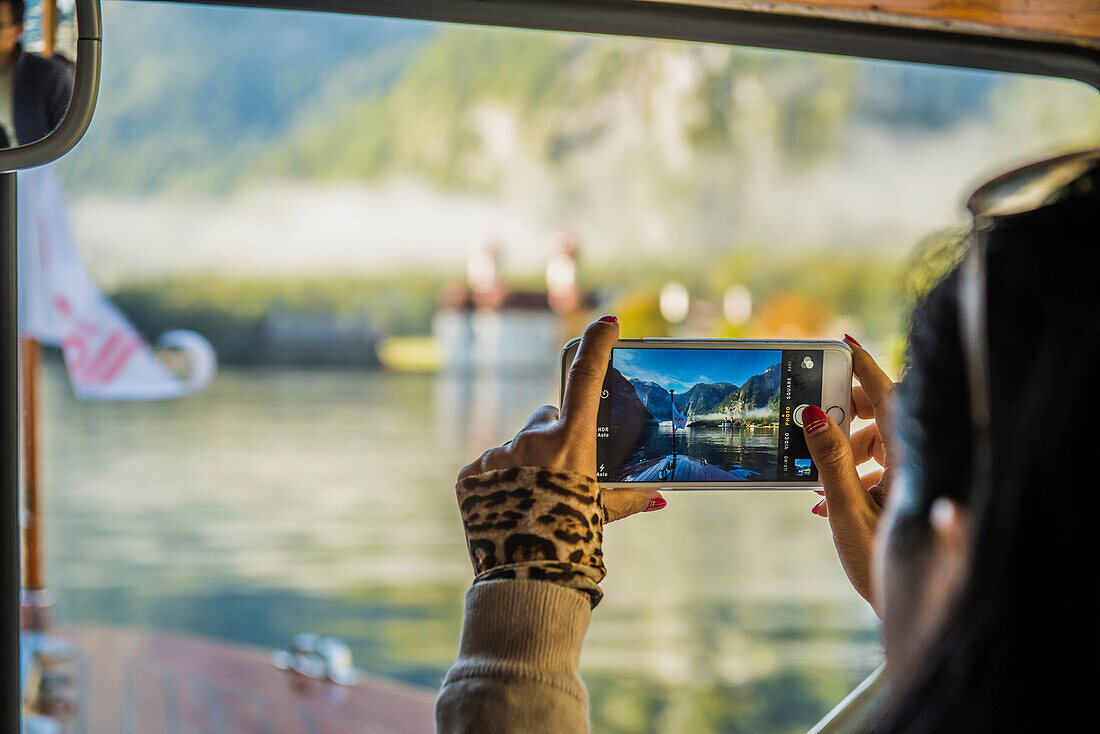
x: 1019, y: 647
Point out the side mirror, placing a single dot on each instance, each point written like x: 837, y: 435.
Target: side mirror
x: 51, y: 97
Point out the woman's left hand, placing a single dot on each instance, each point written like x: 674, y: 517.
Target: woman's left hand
x: 853, y: 503
x: 566, y: 440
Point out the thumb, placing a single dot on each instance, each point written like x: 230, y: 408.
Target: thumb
x: 621, y: 503
x: 832, y: 454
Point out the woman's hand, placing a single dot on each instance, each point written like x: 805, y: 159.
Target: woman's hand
x: 532, y: 508
x: 566, y: 441
x: 852, y: 503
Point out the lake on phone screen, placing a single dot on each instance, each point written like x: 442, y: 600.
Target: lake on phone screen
x: 281, y: 501
x: 742, y: 447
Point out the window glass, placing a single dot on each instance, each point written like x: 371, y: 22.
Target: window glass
x: 323, y: 196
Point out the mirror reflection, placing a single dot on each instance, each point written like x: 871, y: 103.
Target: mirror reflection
x: 37, y: 52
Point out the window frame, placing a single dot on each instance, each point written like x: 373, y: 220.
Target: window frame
x: 815, y: 29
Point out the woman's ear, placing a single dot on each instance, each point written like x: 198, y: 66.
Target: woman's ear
x: 951, y: 530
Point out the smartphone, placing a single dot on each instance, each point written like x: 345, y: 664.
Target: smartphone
x: 715, y: 413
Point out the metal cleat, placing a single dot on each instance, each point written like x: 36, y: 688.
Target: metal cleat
x: 319, y: 658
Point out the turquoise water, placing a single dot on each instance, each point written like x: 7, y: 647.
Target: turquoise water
x: 281, y: 501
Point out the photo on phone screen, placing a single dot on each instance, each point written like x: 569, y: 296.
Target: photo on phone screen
x: 706, y: 415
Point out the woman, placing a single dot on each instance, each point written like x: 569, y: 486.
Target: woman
x: 974, y: 544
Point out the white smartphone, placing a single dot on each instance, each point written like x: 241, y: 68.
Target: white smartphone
x: 715, y: 413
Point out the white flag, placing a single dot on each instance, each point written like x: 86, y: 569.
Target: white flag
x: 679, y: 420
x: 60, y: 305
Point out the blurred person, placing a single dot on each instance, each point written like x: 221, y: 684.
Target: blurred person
x: 973, y: 543
x: 34, y: 91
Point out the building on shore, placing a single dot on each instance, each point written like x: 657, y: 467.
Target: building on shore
x: 486, y: 325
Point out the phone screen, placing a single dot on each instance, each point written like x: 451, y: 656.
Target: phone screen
x: 698, y: 415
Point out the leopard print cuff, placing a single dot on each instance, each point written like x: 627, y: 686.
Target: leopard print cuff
x: 533, y: 523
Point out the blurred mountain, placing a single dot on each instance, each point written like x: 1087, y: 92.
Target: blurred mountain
x: 589, y: 125
x: 191, y: 95
x: 475, y: 104
x: 200, y: 98
x: 247, y: 140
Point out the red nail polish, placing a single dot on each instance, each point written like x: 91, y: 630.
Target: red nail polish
x: 852, y: 340
x: 814, y: 509
x: 656, y: 503
x: 813, y: 419
x: 609, y: 319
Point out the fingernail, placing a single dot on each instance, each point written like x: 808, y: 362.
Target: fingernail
x: 609, y: 319
x: 814, y: 420
x: 816, y: 507
x: 657, y: 503
x: 852, y: 340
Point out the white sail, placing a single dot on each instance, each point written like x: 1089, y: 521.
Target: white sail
x: 61, y: 305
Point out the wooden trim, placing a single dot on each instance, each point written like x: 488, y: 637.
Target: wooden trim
x: 1073, y: 22
x: 34, y: 575
x: 747, y: 23
x: 1080, y: 18
x: 49, y: 26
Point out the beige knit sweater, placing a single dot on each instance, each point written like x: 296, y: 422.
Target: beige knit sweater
x: 517, y: 667
x: 535, y: 540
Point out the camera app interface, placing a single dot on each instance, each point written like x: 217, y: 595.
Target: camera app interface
x: 706, y: 415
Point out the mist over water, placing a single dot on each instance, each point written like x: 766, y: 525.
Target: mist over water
x: 894, y: 188
x: 764, y: 412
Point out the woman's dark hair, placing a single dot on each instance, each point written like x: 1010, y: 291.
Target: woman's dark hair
x: 1019, y: 647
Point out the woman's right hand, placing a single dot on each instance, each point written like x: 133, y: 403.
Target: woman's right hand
x: 854, y: 504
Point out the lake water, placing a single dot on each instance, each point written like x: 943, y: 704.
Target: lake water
x: 754, y: 448
x: 281, y: 501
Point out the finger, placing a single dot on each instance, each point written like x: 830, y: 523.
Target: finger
x: 861, y: 404
x: 621, y: 503
x: 499, y: 457
x: 880, y: 490
x: 540, y: 417
x: 867, y: 445
x: 832, y: 454
x: 876, y: 385
x: 871, y: 478
x: 481, y: 464
x: 582, y: 390
x: 471, y: 469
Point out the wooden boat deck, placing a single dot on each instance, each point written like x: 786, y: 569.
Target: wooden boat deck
x: 136, y: 682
